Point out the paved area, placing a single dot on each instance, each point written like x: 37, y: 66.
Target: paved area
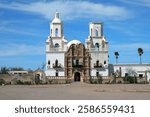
x: 76, y: 91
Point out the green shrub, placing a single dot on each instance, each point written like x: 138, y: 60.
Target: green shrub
x: 2, y: 81
x: 50, y: 81
x: 130, y: 79
x: 96, y: 81
x: 19, y: 82
x: 27, y: 83
x: 67, y: 81
x: 100, y: 79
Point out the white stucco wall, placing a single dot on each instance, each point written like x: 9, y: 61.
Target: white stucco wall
x: 148, y: 76
x: 101, y: 56
x: 52, y: 72
x: 101, y: 72
x: 60, y: 56
x: 138, y: 68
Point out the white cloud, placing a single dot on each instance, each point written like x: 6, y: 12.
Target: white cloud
x: 17, y: 31
x: 71, y: 9
x: 145, y: 3
x: 20, y: 50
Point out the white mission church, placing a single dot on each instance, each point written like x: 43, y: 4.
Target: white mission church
x: 78, y: 62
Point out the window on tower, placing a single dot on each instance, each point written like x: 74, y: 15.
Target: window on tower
x: 56, y: 74
x: 96, y: 32
x: 104, y: 62
x: 97, y: 73
x: 56, y: 32
x: 97, y: 45
x: 97, y: 63
x: 56, y: 63
x: 56, y: 45
x: 49, y: 62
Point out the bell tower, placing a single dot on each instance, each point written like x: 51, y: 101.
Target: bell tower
x: 56, y: 27
x: 96, y: 29
x: 97, y: 45
x: 56, y: 46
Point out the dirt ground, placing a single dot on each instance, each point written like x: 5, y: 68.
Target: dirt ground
x: 76, y: 91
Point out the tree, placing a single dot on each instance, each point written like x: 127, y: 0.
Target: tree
x: 131, y: 77
x: 4, y: 70
x: 140, y: 52
x: 116, y: 54
x: 16, y: 69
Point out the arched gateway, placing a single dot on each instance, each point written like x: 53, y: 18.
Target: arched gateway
x: 77, y: 77
x: 77, y: 62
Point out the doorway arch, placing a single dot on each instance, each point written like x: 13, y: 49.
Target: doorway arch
x: 77, y: 77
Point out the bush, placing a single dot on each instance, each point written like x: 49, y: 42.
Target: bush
x: 50, y: 81
x: 27, y: 83
x: 19, y: 82
x: 130, y: 79
x: 100, y: 79
x: 2, y: 81
x: 96, y: 81
x: 67, y: 81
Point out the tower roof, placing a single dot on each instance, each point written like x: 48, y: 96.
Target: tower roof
x: 56, y: 19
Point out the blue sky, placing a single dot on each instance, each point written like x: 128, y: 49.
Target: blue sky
x: 24, y: 27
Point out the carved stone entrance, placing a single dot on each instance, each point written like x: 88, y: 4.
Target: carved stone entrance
x: 77, y: 63
x: 77, y: 77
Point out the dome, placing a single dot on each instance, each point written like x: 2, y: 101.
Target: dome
x: 56, y: 19
x: 73, y: 42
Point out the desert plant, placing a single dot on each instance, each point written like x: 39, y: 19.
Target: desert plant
x: 2, y: 81
x: 131, y: 79
x: 4, y: 70
x: 19, y: 82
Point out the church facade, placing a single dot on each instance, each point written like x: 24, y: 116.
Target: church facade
x: 74, y: 60
x: 80, y: 62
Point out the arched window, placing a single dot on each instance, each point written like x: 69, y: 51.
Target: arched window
x: 56, y: 32
x: 56, y: 45
x: 48, y: 62
x: 97, y: 73
x: 96, y: 32
x: 56, y: 63
x: 104, y: 62
x: 97, y: 63
x: 77, y: 62
x: 56, y: 73
x: 97, y: 45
